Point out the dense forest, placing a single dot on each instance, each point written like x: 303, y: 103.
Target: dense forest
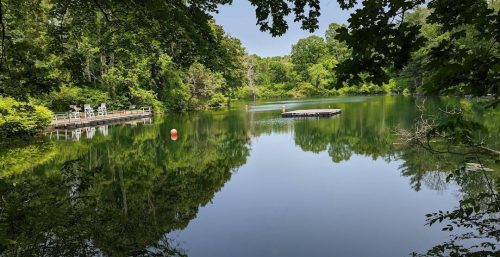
x: 78, y: 52
x: 171, y: 55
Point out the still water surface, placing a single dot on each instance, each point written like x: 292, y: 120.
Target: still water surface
x: 235, y: 183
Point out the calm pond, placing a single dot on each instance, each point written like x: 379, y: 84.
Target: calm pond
x: 235, y: 183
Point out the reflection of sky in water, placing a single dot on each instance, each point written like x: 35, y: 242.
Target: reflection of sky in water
x: 287, y: 202
x: 281, y: 125
x: 293, y: 104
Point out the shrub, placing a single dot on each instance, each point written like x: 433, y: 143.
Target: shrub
x: 217, y: 100
x: 178, y: 99
x: 347, y: 90
x: 70, y: 95
x: 369, y: 88
x: 21, y: 118
x: 272, y: 91
x: 143, y: 97
x: 94, y: 97
x: 66, y: 95
x: 245, y: 92
x: 306, y: 89
x: 390, y: 87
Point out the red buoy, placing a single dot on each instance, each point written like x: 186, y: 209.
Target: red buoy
x: 173, y: 134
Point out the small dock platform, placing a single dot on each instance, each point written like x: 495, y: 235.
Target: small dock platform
x: 98, y: 120
x: 311, y: 113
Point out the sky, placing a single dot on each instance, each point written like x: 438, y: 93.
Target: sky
x: 239, y: 21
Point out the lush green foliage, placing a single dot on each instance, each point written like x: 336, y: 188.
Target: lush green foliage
x: 461, y: 58
x: 311, y: 70
x: 22, y: 118
x: 441, y: 48
x: 173, y: 55
x: 65, y: 96
x: 119, y: 53
x: 458, y: 134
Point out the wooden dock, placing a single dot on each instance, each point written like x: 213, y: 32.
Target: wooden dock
x: 311, y: 113
x: 98, y: 120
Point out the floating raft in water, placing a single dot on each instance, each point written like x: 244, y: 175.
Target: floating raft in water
x: 312, y: 113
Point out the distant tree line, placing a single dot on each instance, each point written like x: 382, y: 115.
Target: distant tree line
x: 309, y: 70
x: 413, y: 50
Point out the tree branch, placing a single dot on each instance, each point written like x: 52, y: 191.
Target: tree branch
x: 106, y: 15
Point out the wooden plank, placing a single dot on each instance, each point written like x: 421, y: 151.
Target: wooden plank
x: 312, y: 113
x: 82, y: 122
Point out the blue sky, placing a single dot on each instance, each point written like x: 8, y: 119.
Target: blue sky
x: 239, y: 21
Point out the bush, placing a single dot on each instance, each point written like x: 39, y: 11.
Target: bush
x: 143, y: 97
x: 390, y: 87
x: 62, y: 99
x: 217, y: 100
x: 94, y: 97
x: 178, y: 99
x: 307, y: 89
x: 69, y: 95
x: 272, y: 91
x: 245, y: 92
x: 21, y: 118
x: 347, y: 90
x: 369, y: 89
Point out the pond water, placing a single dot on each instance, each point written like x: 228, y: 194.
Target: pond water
x: 237, y: 182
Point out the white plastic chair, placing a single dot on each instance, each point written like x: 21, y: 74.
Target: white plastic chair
x: 74, y: 113
x: 102, y: 110
x: 89, y: 112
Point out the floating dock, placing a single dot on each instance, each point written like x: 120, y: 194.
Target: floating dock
x: 98, y: 120
x: 312, y: 113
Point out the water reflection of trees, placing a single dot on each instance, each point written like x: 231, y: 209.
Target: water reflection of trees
x: 456, y: 135
x: 370, y: 129
x: 372, y: 133
x: 121, y: 192
x: 364, y: 128
x: 120, y: 195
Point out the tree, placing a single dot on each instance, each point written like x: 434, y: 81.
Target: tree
x: 335, y: 47
x: 204, y: 84
x: 228, y: 59
x: 321, y: 75
x: 306, y: 52
x: 113, y: 47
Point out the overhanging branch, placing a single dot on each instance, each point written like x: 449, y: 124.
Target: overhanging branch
x: 106, y: 15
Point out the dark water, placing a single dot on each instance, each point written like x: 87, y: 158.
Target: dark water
x: 234, y: 183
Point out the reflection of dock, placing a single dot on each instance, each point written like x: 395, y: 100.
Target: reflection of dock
x: 99, y: 120
x: 312, y: 113
x: 76, y: 133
